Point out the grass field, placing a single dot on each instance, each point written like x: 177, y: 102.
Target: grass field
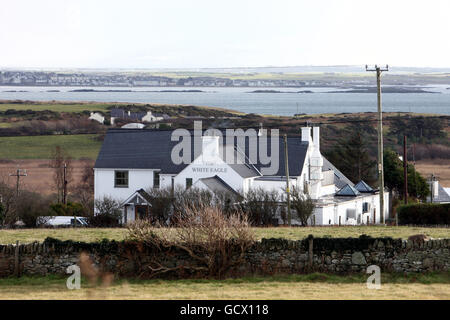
x: 308, y: 286
x: 77, y: 107
x: 294, y: 233
x: 40, y: 147
x: 56, y: 107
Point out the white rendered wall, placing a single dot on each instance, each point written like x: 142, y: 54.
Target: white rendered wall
x: 199, y: 169
x: 104, y: 183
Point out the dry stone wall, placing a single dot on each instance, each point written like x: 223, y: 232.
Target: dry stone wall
x: 266, y: 257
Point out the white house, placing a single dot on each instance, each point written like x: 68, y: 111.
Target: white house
x: 97, y: 117
x: 438, y: 193
x: 132, y: 161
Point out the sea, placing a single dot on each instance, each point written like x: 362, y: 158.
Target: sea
x: 286, y: 102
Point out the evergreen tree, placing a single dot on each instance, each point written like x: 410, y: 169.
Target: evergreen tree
x: 394, y: 174
x: 351, y: 157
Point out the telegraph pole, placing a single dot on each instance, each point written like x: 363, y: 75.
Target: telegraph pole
x: 379, y: 70
x: 19, y: 173
x: 286, y: 164
x: 65, y: 184
x: 405, y: 170
x: 405, y: 176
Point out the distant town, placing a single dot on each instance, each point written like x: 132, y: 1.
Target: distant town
x: 31, y: 78
x: 206, y: 79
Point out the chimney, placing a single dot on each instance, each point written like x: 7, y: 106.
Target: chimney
x: 306, y: 134
x: 316, y: 137
x: 210, y: 147
x: 435, y: 188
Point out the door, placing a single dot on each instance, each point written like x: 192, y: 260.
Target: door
x: 141, y: 212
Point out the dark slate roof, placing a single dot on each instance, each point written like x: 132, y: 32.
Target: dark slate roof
x: 151, y: 149
x: 216, y: 184
x: 348, y: 191
x: 339, y: 179
x: 443, y: 196
x: 362, y: 186
x: 144, y: 195
x: 121, y: 113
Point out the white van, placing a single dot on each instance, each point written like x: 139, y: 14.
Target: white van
x: 59, y: 221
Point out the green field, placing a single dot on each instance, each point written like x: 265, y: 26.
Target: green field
x: 307, y: 286
x: 40, y: 147
x: 294, y: 233
x: 56, y: 107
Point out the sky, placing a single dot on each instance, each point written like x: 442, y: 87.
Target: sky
x: 220, y: 34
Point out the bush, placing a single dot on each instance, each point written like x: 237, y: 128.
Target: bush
x: 261, y: 206
x: 107, y: 213
x: 30, y: 206
x: 424, y: 214
x: 69, y: 209
x: 214, y: 242
x: 2, y: 213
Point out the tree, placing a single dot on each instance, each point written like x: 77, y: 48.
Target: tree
x: 418, y: 129
x: 59, y: 159
x: 83, y: 192
x: 261, y: 206
x: 394, y: 177
x: 108, y: 213
x: 30, y: 206
x: 8, y: 197
x: 303, y: 204
x: 352, y: 158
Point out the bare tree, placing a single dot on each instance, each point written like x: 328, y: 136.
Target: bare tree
x: 61, y: 162
x: 8, y: 197
x: 83, y: 192
x: 303, y: 204
x: 261, y: 206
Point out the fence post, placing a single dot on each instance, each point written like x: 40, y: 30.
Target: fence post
x: 16, y: 260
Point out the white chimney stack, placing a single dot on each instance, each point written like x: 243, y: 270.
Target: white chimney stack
x: 210, y: 147
x: 306, y: 134
x: 316, y: 137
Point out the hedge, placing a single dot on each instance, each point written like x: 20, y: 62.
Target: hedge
x: 424, y: 214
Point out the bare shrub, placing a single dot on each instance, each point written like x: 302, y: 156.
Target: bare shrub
x: 169, y: 205
x: 261, y: 206
x: 215, y: 243
x: 302, y: 204
x: 431, y: 151
x: 107, y: 213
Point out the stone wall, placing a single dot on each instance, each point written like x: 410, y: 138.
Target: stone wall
x: 266, y: 257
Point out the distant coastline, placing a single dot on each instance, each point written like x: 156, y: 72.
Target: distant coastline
x: 276, y: 91
x: 384, y: 90
x: 119, y: 90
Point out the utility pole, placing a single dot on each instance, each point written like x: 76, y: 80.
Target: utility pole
x: 19, y: 173
x: 379, y: 70
x: 405, y: 176
x: 405, y: 170
x: 65, y: 184
x: 286, y: 164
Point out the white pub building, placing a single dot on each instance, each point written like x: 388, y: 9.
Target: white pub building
x: 132, y: 161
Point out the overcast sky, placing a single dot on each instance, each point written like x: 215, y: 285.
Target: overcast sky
x: 226, y: 33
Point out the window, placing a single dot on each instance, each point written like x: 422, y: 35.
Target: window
x: 155, y: 179
x: 365, y: 207
x: 121, y: 179
x: 188, y: 183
